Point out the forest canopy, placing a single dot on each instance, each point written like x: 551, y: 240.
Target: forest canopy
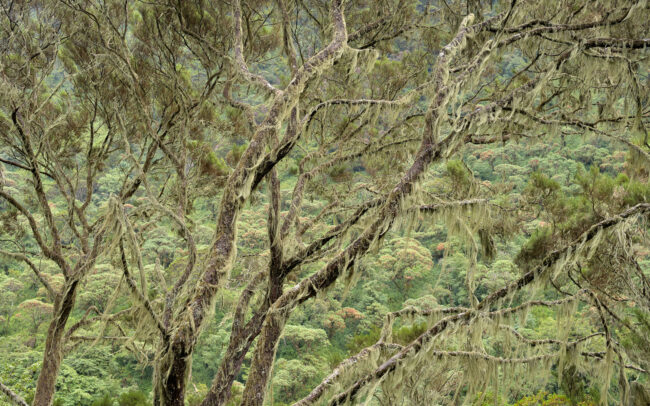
x: 324, y: 202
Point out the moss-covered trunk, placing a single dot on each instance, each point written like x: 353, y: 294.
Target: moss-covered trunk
x: 170, y: 375
x: 53, y: 353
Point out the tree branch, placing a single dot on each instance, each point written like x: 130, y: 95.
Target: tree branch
x: 141, y: 298
x: 239, y: 54
x: 417, y: 345
x: 52, y: 293
x: 13, y: 396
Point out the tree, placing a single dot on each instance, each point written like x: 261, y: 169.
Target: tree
x: 402, y: 263
x: 35, y: 311
x: 179, y: 98
x: 8, y: 290
x: 62, y: 126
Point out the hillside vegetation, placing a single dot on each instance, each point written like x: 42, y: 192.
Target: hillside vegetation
x: 324, y: 202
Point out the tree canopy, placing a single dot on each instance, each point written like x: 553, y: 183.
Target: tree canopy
x: 324, y: 202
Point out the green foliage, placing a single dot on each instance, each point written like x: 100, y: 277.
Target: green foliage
x: 363, y: 340
x: 78, y: 387
x: 402, y: 263
x: 536, y: 247
x: 405, y: 334
x: 550, y: 399
x: 196, y: 396
x: 542, y: 183
x: 133, y: 398
x: 636, y: 340
x: 294, y: 377
x: 635, y: 191
x: 303, y: 338
x: 106, y: 400
x: 209, y: 162
x: 461, y: 177
x: 487, y: 399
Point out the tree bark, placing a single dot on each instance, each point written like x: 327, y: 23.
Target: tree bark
x: 170, y: 388
x: 220, y: 390
x: 53, y: 353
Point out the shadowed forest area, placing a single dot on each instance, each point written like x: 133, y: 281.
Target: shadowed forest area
x: 324, y: 202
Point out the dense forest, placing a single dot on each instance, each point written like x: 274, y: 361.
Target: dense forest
x: 324, y: 202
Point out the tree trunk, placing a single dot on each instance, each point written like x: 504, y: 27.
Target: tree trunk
x: 53, y: 354
x: 174, y: 364
x: 220, y: 390
x: 238, y: 347
x: 170, y: 375
x: 255, y: 390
